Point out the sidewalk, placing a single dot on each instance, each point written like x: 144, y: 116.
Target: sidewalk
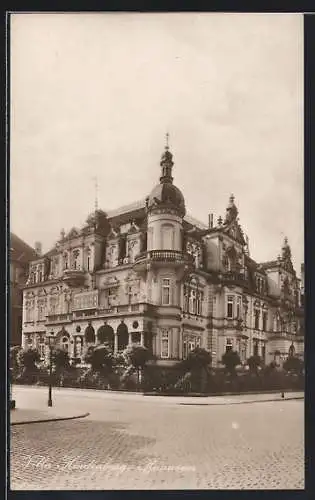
x: 27, y: 416
x: 242, y: 399
x: 32, y: 397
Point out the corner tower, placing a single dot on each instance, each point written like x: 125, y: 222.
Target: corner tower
x: 166, y: 209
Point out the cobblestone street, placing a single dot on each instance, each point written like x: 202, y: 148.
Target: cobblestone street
x: 131, y: 443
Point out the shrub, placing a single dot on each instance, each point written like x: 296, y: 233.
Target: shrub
x: 254, y: 363
x: 100, y: 358
x: 137, y: 356
x: 231, y: 360
x: 28, y: 359
x: 293, y: 365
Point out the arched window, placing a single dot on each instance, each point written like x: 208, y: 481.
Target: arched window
x: 291, y: 350
x: 105, y: 335
x: 123, y: 337
x: 89, y: 334
x: 167, y: 237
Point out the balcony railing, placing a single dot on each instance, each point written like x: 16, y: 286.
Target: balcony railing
x: 73, y: 276
x: 59, y: 318
x: 165, y: 256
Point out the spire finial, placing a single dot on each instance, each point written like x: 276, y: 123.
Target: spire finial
x: 167, y: 136
x: 166, y: 163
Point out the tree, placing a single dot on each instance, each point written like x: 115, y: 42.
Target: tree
x: 198, y: 363
x: 60, y: 359
x: 100, y: 358
x: 254, y: 362
x: 137, y: 356
x: 14, y: 357
x: 196, y: 370
x: 231, y: 360
x: 27, y: 360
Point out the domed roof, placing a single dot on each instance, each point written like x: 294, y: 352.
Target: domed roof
x: 167, y: 194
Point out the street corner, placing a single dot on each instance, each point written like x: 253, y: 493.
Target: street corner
x: 20, y: 416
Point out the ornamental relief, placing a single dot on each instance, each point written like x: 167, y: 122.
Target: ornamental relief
x: 133, y: 248
x: 112, y: 255
x: 194, y: 249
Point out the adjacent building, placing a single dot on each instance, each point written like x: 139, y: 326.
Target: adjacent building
x: 149, y: 273
x: 20, y: 256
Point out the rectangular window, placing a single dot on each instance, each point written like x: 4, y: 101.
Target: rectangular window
x: 41, y: 312
x: 28, y: 314
x: 264, y: 319
x: 186, y: 299
x: 229, y: 345
x: 256, y: 312
x: 239, y: 307
x: 230, y: 306
x: 164, y: 344
x: 193, y: 302
x: 255, y: 349
x: 166, y: 292
x: 199, y: 303
x: 185, y: 352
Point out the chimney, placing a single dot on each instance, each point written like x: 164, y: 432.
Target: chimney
x: 210, y: 216
x: 38, y: 248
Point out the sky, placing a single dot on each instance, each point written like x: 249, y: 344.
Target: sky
x: 93, y: 95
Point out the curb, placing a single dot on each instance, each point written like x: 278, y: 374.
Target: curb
x: 242, y: 402
x: 52, y: 419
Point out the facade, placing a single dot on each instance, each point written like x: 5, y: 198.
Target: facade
x: 20, y: 256
x: 151, y: 274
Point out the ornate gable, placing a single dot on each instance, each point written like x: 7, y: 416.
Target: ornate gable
x: 235, y: 231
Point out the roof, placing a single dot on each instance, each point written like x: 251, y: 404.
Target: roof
x: 21, y: 251
x: 270, y: 263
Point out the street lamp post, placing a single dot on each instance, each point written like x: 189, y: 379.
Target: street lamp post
x: 49, y: 338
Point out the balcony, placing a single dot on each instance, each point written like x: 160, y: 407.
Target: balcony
x: 74, y: 277
x: 156, y: 258
x: 55, y: 319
